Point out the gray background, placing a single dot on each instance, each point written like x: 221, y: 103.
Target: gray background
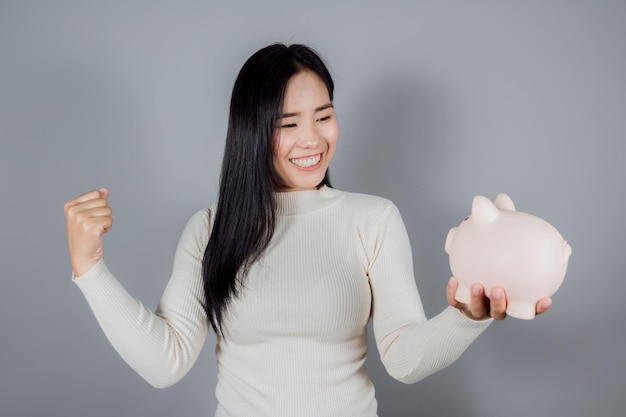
x: 437, y: 102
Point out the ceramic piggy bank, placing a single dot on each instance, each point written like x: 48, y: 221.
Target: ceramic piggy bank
x: 498, y: 246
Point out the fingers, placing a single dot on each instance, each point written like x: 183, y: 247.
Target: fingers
x: 104, y: 193
x: 92, y: 199
x: 478, y: 302
x: 96, y: 221
x: 91, y: 195
x: 477, y: 307
x: 85, y: 206
x: 493, y: 306
x: 543, y: 305
x: 497, y: 303
x: 88, y: 217
x: 451, y: 288
x: 480, y: 306
x: 88, y: 196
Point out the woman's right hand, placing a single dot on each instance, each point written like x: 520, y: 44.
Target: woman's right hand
x: 88, y: 217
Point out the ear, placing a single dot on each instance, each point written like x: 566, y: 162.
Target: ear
x: 504, y: 202
x: 567, y: 252
x: 449, y: 239
x: 483, y: 211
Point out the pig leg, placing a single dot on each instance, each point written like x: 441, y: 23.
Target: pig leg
x: 463, y: 294
x: 520, y: 310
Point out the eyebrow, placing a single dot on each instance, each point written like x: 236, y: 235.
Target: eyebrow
x: 319, y: 109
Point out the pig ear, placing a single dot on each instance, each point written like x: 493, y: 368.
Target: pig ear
x: 449, y: 239
x: 504, y: 202
x: 567, y: 252
x: 483, y: 211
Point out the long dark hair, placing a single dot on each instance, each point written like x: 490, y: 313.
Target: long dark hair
x: 246, y: 212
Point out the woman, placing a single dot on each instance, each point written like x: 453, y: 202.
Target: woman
x: 286, y: 269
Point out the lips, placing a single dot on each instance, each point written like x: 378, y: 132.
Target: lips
x: 307, y: 162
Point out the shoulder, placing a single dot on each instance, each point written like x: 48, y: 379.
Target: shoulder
x: 203, y: 217
x: 377, y: 220
x: 198, y: 227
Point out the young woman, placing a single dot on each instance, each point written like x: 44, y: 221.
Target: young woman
x: 286, y: 269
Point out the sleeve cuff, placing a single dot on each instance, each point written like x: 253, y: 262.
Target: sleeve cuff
x: 95, y: 273
x: 463, y: 321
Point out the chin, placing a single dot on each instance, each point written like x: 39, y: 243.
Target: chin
x: 296, y: 180
x: 301, y: 185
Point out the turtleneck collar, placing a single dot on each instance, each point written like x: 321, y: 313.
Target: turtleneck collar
x: 290, y: 203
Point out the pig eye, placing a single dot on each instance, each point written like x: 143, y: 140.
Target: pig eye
x: 465, y: 219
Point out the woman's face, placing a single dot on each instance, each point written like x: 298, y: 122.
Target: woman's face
x: 306, y: 133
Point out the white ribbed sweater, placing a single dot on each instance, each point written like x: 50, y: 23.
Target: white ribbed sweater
x: 296, y: 336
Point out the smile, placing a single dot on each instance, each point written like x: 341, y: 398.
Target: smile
x: 307, y: 162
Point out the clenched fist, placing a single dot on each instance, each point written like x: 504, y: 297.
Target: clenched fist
x: 88, y: 217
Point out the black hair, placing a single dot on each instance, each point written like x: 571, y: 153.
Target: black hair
x: 246, y: 212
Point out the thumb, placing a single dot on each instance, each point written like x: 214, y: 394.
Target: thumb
x: 104, y: 193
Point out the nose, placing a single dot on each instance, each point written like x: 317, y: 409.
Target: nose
x: 309, y: 137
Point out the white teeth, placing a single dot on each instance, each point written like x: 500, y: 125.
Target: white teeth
x: 306, y: 162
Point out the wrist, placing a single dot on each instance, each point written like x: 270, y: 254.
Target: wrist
x: 81, y: 268
x: 469, y: 315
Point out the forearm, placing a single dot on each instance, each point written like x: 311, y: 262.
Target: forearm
x: 148, y: 342
x: 419, y: 350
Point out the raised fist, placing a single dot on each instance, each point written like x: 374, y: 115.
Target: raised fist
x: 88, y: 217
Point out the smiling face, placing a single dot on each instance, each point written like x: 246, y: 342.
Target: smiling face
x: 306, y: 134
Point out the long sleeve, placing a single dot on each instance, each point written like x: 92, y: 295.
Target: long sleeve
x: 160, y: 346
x: 296, y: 339
x: 411, y: 347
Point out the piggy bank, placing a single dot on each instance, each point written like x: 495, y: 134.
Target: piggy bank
x: 498, y: 246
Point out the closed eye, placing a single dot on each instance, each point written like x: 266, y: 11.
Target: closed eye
x: 288, y: 125
x: 325, y: 118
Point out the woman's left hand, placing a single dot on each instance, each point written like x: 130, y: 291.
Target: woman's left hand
x: 482, y: 307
